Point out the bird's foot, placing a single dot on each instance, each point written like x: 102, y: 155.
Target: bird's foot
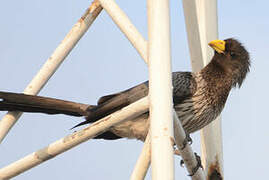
x: 199, y: 164
x: 195, y: 169
x: 186, y: 141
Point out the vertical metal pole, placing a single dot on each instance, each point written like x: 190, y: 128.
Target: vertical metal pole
x: 211, y: 135
x: 202, y: 27
x: 160, y: 90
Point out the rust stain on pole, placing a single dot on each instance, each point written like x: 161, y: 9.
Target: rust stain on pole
x: 95, y: 4
x: 94, y: 9
x: 214, y: 172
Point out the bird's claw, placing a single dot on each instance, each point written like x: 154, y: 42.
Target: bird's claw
x: 181, y: 163
x: 186, y: 141
x: 195, y: 169
x: 199, y: 164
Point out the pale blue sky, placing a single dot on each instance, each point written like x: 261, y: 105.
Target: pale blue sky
x: 104, y: 62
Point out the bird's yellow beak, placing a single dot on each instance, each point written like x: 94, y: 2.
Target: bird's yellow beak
x: 218, y: 45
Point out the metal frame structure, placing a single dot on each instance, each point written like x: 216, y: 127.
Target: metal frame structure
x: 165, y: 128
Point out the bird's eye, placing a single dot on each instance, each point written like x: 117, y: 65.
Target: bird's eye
x: 232, y: 54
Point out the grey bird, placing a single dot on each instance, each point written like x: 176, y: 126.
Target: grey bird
x: 198, y: 97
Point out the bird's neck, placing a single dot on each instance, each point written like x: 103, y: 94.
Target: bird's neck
x: 215, y: 82
x: 213, y: 85
x: 214, y: 73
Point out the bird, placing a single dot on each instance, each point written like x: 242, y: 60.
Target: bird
x: 198, y: 97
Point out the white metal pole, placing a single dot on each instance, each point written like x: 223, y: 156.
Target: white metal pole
x: 160, y: 90
x: 142, y: 164
x: 202, y: 27
x: 125, y: 25
x: 53, y: 62
x: 131, y: 111
x: 211, y: 135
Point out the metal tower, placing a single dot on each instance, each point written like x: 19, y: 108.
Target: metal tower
x: 201, y: 23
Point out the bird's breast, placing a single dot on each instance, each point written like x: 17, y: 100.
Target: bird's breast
x: 197, y: 111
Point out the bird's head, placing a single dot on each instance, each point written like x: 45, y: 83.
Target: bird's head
x: 232, y: 56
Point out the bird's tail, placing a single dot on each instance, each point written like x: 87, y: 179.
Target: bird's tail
x: 29, y: 103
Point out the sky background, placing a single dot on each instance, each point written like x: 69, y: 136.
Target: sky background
x: 104, y: 62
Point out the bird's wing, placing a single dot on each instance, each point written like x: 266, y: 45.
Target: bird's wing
x: 111, y: 103
x: 103, y: 99
x: 182, y: 88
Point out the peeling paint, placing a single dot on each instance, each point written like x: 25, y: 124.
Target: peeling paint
x: 94, y: 9
x: 94, y: 6
x: 43, y: 154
